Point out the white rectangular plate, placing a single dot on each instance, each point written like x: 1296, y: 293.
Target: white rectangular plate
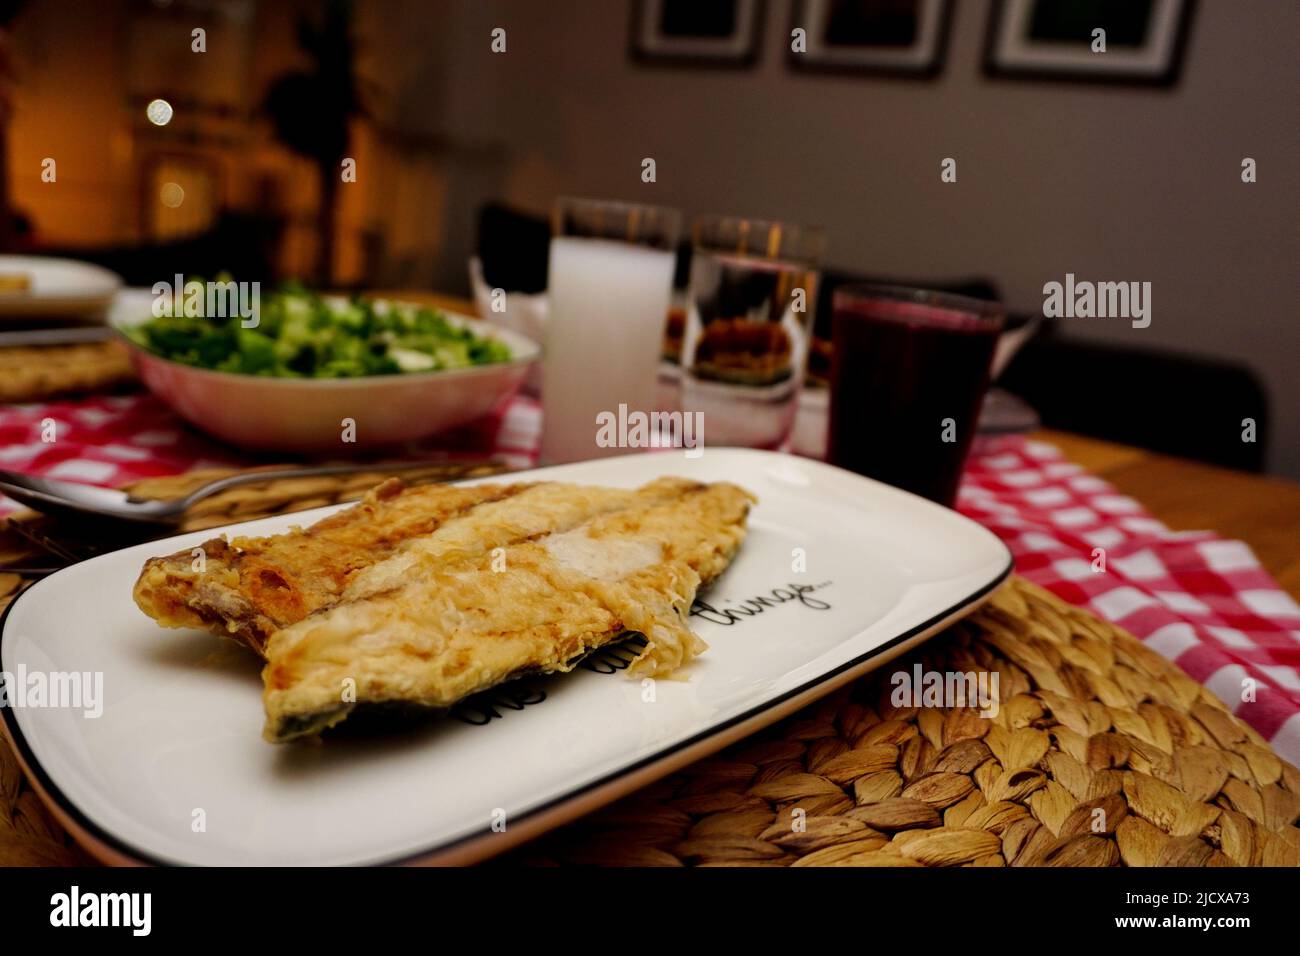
x: 175, y: 769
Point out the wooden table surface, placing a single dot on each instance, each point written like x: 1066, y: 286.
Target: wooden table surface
x: 1185, y: 495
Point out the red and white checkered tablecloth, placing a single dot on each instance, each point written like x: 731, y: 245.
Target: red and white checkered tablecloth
x: 1198, y: 599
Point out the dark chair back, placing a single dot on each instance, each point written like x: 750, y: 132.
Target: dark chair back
x: 1184, y: 405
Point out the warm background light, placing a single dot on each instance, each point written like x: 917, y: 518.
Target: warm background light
x: 159, y: 112
x: 171, y: 195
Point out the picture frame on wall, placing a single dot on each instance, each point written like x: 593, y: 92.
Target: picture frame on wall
x: 889, y: 37
x: 1050, y: 39
x: 719, y: 33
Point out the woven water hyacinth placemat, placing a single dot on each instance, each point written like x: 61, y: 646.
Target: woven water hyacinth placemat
x: 1101, y: 753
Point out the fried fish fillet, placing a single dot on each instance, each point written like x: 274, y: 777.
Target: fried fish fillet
x: 248, y: 588
x: 525, y: 584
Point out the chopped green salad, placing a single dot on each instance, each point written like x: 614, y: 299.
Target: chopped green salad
x: 298, y: 334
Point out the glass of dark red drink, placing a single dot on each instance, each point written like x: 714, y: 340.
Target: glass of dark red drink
x: 909, y: 370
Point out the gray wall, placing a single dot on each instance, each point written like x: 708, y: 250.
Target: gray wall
x: 1109, y: 183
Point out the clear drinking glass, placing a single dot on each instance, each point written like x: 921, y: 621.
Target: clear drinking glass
x: 752, y: 294
x: 909, y: 370
x: 610, y: 282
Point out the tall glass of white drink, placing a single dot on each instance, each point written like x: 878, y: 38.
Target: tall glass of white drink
x: 610, y: 282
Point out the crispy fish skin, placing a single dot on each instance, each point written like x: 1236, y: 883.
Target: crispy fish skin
x: 443, y: 622
x: 251, y: 587
x: 535, y: 511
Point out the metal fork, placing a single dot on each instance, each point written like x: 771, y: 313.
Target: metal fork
x: 64, y: 498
